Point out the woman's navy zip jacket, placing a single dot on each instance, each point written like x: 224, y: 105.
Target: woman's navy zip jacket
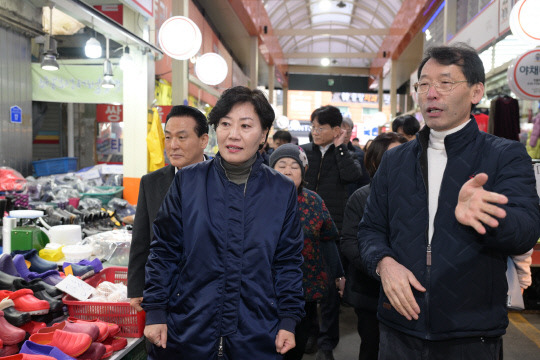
x: 225, y: 263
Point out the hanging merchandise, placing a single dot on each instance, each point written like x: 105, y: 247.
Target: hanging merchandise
x: 504, y: 118
x: 11, y: 180
x: 155, y: 141
x: 482, y: 120
x: 533, y: 142
x: 163, y: 92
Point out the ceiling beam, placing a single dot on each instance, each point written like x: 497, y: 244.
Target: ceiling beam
x: 92, y: 18
x: 333, y: 32
x: 411, y: 16
x: 329, y: 70
x: 332, y: 55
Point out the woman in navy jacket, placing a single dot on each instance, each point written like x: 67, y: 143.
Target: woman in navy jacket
x: 224, y: 279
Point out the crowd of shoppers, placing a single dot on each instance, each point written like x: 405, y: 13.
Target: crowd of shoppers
x: 243, y: 257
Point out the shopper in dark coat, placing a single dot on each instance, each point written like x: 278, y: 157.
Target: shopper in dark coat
x: 224, y: 278
x: 331, y: 168
x: 348, y: 126
x: 444, y: 213
x: 361, y: 290
x: 186, y: 137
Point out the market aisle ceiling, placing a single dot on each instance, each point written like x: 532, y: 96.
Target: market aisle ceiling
x: 348, y: 33
x: 357, y: 36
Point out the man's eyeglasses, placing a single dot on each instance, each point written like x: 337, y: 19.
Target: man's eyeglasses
x: 318, y: 130
x: 442, y: 87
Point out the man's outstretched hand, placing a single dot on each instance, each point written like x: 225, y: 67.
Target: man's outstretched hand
x: 476, y: 207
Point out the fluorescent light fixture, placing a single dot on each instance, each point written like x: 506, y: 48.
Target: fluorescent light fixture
x: 325, y: 5
x: 49, y: 62
x: 126, y: 61
x: 92, y: 48
x: 108, y: 82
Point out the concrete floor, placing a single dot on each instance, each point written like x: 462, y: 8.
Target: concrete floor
x: 521, y: 342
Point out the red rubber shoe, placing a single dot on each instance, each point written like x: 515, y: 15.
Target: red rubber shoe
x: 95, y: 352
x: 105, y: 329
x: 33, y: 327
x: 25, y: 301
x: 10, y: 334
x: 80, y: 327
x: 117, y: 343
x: 72, y: 344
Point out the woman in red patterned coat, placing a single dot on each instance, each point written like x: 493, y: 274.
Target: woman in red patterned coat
x: 321, y: 257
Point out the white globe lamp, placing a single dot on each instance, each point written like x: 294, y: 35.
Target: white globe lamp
x: 211, y: 69
x: 524, y: 21
x: 180, y: 38
x: 92, y: 48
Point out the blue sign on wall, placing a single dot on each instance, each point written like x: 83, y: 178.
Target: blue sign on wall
x: 15, y: 114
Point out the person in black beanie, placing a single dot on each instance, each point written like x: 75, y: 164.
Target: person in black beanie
x: 321, y: 257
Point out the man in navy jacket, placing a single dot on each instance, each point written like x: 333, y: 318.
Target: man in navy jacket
x: 444, y: 213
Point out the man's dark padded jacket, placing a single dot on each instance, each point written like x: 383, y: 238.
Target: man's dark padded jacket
x: 466, y: 283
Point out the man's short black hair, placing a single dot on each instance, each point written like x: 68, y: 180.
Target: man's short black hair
x: 397, y: 123
x: 184, y: 110
x: 240, y: 95
x: 462, y: 55
x: 408, y: 123
x: 282, y: 135
x: 327, y: 115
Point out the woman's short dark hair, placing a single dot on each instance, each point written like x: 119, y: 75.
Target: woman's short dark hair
x: 327, y: 115
x: 183, y: 110
x: 241, y: 95
x: 378, y: 147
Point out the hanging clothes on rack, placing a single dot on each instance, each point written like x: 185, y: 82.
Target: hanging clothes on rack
x: 533, y: 143
x: 482, y: 118
x: 504, y: 118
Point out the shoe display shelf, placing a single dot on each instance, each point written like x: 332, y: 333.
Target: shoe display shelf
x: 130, y: 321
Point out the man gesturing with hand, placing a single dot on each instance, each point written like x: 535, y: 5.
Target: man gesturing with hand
x: 445, y: 211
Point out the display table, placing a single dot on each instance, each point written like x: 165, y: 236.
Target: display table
x: 135, y: 350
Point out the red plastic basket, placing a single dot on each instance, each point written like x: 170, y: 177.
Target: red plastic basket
x: 130, y: 321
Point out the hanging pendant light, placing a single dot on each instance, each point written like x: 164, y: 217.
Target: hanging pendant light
x: 49, y: 62
x: 126, y: 61
x: 108, y: 81
x: 211, y: 68
x: 92, y: 49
